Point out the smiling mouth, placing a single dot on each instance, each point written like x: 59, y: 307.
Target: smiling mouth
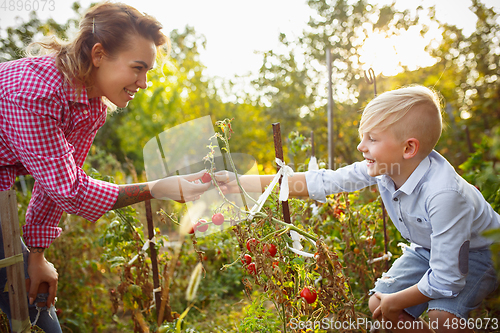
x: 369, y: 161
x: 130, y: 92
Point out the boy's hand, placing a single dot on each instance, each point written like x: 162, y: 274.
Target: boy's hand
x: 387, y: 309
x: 227, y: 181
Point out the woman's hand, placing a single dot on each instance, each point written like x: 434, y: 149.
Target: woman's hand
x: 180, y: 188
x: 40, y: 270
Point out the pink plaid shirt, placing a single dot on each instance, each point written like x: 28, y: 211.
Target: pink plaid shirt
x: 46, y: 130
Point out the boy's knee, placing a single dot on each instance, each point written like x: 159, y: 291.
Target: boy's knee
x: 373, y: 303
x: 442, y: 321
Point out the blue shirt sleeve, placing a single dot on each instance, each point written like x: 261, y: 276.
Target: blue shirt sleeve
x: 450, y: 215
x: 351, y: 178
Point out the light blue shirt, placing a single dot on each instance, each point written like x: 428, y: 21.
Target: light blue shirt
x: 435, y: 209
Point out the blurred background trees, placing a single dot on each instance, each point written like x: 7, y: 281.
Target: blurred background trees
x: 291, y: 85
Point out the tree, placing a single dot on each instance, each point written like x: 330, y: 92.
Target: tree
x: 294, y: 83
x: 467, y: 75
x: 13, y: 46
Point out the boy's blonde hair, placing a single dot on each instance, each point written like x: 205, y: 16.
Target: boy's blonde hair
x: 410, y: 112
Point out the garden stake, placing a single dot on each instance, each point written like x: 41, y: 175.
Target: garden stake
x: 312, y: 144
x: 371, y: 79
x: 154, y: 258
x: 278, y: 150
x: 14, y: 262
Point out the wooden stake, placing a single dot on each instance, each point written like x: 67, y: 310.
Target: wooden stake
x: 154, y: 257
x: 313, y: 152
x: 15, y: 273
x: 278, y: 150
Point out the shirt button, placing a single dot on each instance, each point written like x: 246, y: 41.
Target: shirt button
x: 85, y: 112
x: 400, y: 219
x: 395, y: 199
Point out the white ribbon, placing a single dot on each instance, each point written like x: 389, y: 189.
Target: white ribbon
x: 145, y: 247
x: 284, y: 171
x: 313, y: 164
x: 302, y: 253
x: 296, y: 238
x: 297, y: 246
x: 386, y: 256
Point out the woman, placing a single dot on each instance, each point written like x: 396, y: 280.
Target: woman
x: 50, y: 110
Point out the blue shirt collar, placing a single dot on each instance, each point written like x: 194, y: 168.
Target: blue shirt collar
x: 409, y: 186
x: 416, y: 176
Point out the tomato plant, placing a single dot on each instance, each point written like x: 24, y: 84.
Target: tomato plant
x: 206, y: 178
x: 201, y: 225
x: 308, y: 295
x: 269, y: 249
x: 251, y: 244
x: 218, y: 219
x: 247, y: 259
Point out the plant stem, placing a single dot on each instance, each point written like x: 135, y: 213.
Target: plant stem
x: 294, y: 228
x: 226, y: 141
x: 276, y: 233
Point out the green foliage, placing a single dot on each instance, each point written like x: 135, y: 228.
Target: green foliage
x: 13, y: 46
x: 259, y: 317
x: 482, y: 169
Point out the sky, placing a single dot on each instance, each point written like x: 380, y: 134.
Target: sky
x: 236, y: 30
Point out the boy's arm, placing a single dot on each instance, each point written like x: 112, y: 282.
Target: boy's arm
x: 391, y: 305
x: 258, y: 183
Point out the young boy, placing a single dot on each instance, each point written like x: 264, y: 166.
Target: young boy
x: 447, y: 268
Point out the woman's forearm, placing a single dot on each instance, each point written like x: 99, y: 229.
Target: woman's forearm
x: 131, y: 194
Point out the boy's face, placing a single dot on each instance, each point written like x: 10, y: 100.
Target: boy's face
x: 383, y: 153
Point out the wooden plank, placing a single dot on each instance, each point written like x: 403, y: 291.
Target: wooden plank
x: 15, y: 273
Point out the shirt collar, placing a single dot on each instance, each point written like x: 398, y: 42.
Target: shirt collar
x: 73, y: 95
x: 416, y: 176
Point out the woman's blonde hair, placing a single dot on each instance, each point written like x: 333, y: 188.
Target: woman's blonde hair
x: 112, y: 25
x: 409, y: 112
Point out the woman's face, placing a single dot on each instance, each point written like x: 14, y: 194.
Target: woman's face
x: 118, y: 78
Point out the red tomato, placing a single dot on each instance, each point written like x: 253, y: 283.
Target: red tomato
x: 269, y: 249
x: 356, y: 250
x: 251, y: 268
x: 308, y: 295
x: 200, y: 226
x: 218, y: 219
x: 247, y: 259
x: 206, y: 178
x: 252, y: 241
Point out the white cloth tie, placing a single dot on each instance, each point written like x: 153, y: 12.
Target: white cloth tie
x: 284, y: 171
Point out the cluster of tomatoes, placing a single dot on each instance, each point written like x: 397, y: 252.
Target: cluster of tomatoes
x: 270, y: 249
x: 202, y: 224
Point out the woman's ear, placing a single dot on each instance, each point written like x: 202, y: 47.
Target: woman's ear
x: 97, y: 54
x: 412, y: 146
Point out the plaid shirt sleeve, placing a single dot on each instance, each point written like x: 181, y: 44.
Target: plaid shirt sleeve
x: 37, y: 133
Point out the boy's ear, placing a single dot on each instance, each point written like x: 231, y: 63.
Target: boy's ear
x: 412, y: 146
